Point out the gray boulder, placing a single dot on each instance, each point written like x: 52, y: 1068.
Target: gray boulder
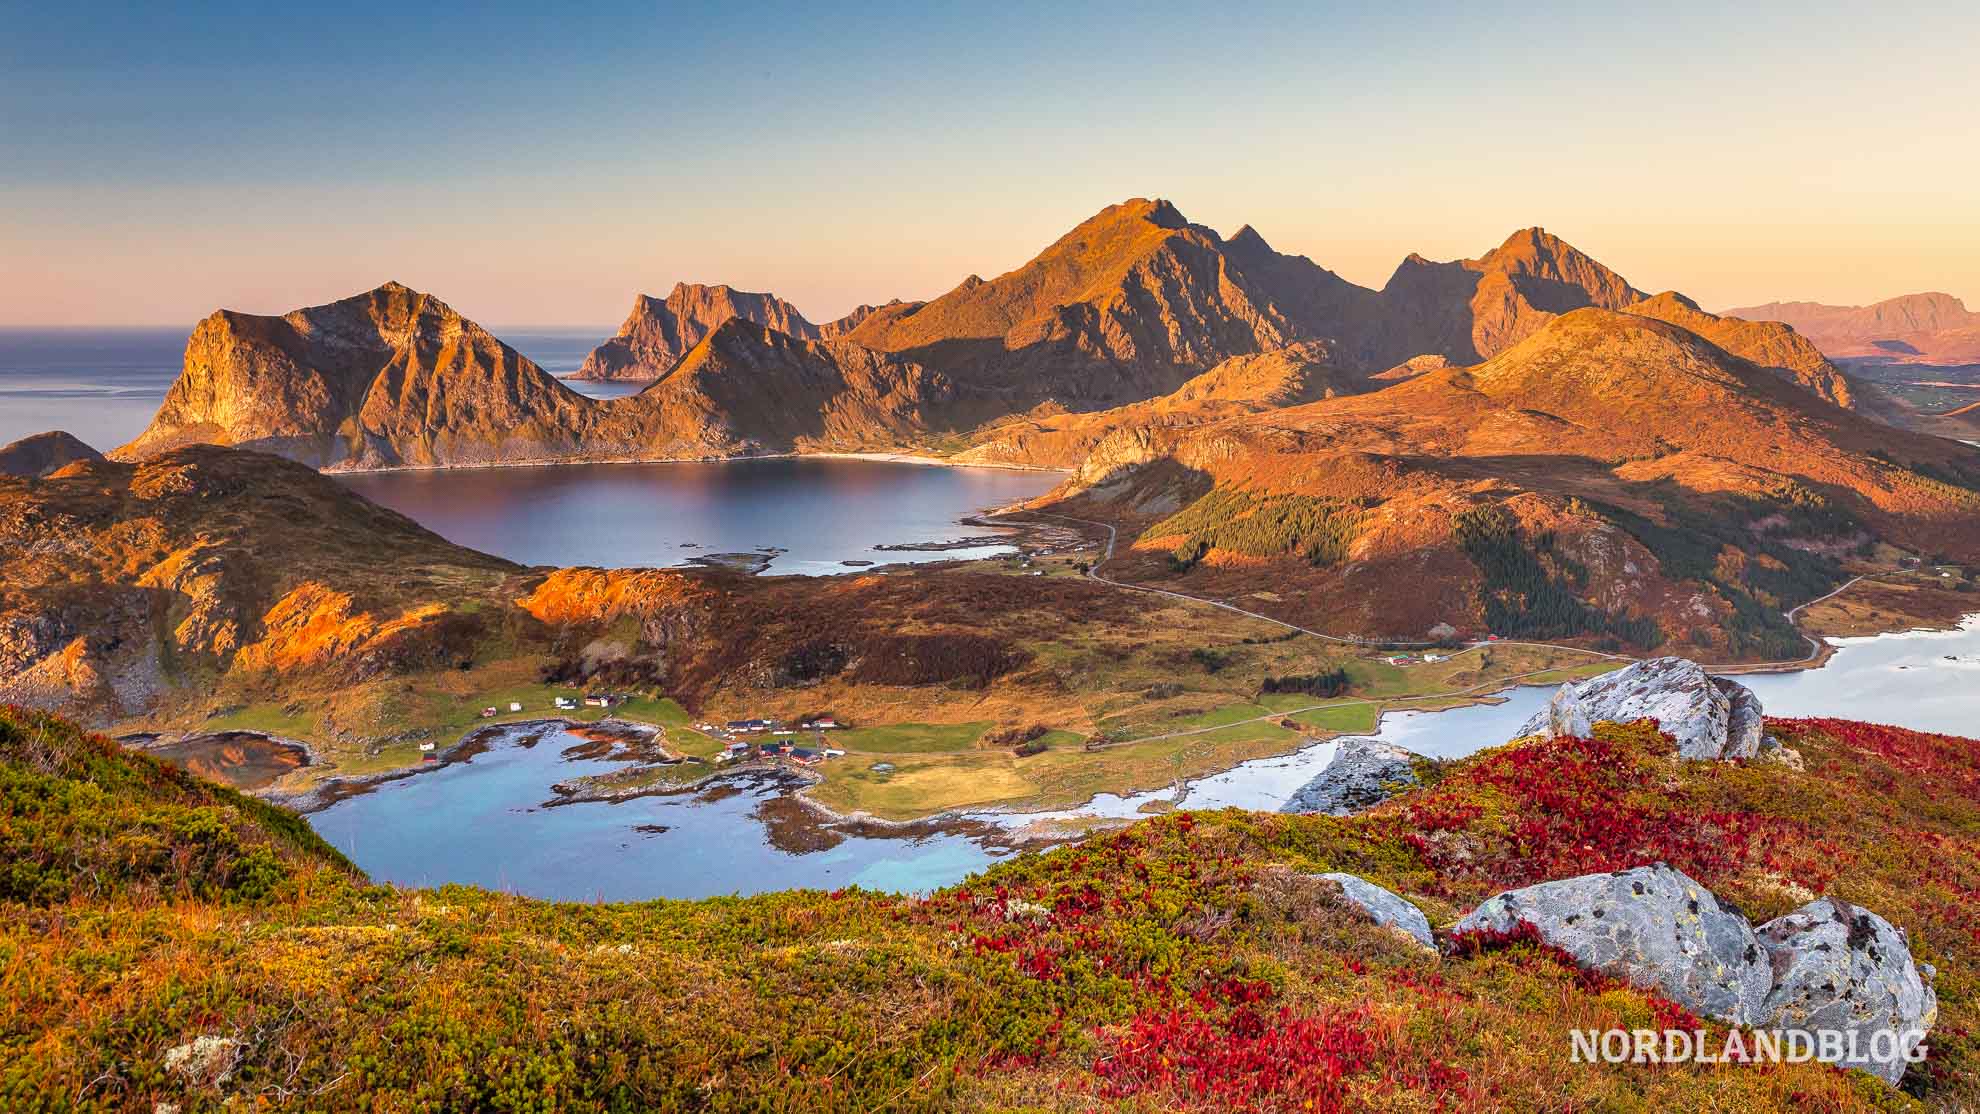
x: 1387, y: 907
x: 1746, y: 725
x: 1364, y: 773
x: 1839, y: 967
x: 1709, y: 717
x: 1651, y: 926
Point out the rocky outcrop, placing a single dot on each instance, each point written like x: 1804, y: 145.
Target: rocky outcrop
x: 1709, y: 717
x: 1364, y: 773
x: 44, y: 453
x: 1839, y: 967
x: 1652, y: 926
x: 659, y: 332
x: 1473, y: 309
x: 1387, y: 908
x: 389, y: 377
x: 396, y: 378
x: 1827, y: 967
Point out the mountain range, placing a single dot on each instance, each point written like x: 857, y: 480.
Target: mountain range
x: 1523, y: 441
x: 1916, y: 328
x: 1126, y: 308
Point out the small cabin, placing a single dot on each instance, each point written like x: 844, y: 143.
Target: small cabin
x: 566, y: 703
x: 489, y: 712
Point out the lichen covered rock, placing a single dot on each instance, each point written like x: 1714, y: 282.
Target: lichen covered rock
x: 1839, y: 967
x: 1654, y: 927
x: 1388, y: 909
x: 1364, y: 773
x: 1710, y: 717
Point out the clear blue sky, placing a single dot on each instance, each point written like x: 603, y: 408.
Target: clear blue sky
x: 540, y: 163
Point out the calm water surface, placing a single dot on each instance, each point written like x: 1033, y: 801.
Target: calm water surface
x: 823, y: 512
x: 483, y: 821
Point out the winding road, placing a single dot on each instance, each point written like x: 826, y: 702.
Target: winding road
x: 1107, y: 554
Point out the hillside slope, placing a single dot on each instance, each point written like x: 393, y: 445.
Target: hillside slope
x: 1189, y: 962
x: 1770, y: 344
x: 121, y: 581
x: 1611, y: 477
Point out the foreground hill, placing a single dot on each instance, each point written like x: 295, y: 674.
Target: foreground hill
x: 1189, y: 962
x: 1612, y: 477
x: 1915, y: 328
x: 121, y: 582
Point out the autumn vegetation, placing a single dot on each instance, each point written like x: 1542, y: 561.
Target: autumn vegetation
x: 1187, y: 962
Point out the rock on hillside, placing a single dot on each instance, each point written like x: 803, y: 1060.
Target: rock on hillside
x: 1386, y: 907
x: 658, y: 333
x: 43, y: 453
x: 1652, y: 926
x: 1827, y: 967
x: 1710, y: 717
x: 1363, y: 774
x: 1841, y: 968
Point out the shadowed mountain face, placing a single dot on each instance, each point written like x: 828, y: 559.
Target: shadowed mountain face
x: 1915, y: 328
x: 658, y: 333
x: 1473, y: 309
x: 44, y: 453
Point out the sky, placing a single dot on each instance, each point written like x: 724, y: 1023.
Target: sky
x: 539, y: 164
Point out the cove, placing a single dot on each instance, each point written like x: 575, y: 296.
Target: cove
x: 819, y: 512
x: 485, y: 821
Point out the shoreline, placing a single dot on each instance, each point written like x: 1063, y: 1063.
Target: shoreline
x: 877, y: 457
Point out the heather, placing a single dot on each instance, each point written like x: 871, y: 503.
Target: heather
x: 1186, y: 962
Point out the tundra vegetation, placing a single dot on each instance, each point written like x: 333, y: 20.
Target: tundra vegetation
x: 1187, y: 962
